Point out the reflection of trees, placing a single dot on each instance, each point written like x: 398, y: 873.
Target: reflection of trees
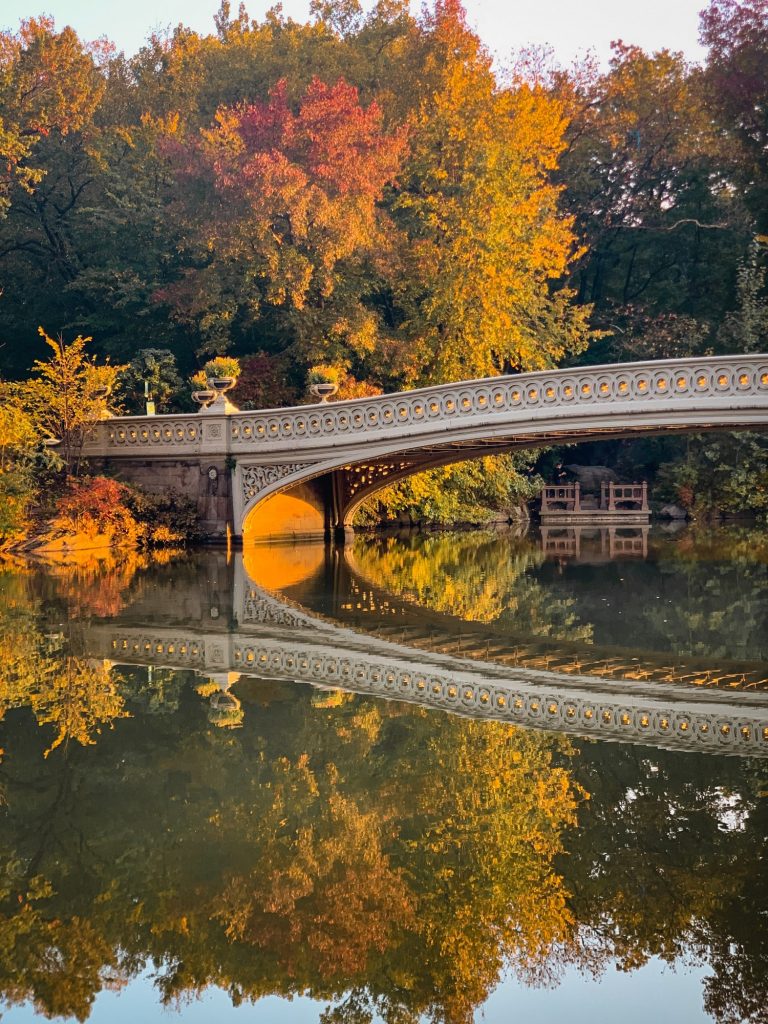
x: 387, y: 859
x: 480, y: 577
x: 75, y: 695
x: 668, y: 862
x: 718, y: 584
x: 390, y: 860
x: 364, y: 848
x: 699, y: 595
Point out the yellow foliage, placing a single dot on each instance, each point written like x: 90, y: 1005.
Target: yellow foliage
x: 68, y: 393
x: 487, y: 237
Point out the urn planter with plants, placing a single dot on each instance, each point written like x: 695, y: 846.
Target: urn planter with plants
x: 323, y: 381
x: 201, y: 393
x: 218, y: 376
x: 222, y: 373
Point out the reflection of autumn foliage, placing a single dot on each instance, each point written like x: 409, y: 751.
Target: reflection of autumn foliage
x: 469, y: 575
x: 477, y: 576
x: 97, y: 583
x: 366, y: 847
x: 97, y: 589
x: 63, y: 963
x: 77, y: 696
x: 491, y: 809
x: 324, y: 893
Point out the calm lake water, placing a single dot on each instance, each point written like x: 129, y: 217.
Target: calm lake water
x: 446, y: 777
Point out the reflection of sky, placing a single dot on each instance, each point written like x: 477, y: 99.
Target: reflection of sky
x: 653, y: 993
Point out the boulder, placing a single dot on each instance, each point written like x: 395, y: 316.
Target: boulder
x: 591, y: 477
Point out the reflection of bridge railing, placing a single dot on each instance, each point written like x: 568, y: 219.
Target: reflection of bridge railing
x: 293, y: 646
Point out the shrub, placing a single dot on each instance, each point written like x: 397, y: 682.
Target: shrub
x: 264, y: 383
x: 155, y: 367
x: 94, y: 505
x: 222, y: 366
x: 99, y: 504
x: 164, y: 519
x: 17, y: 491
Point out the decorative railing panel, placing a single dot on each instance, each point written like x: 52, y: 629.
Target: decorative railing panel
x: 517, y: 398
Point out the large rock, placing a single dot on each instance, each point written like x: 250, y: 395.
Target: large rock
x: 591, y: 477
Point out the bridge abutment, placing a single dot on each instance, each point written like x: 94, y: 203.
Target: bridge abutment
x: 206, y: 482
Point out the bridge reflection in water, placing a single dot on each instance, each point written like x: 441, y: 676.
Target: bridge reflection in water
x: 407, y: 653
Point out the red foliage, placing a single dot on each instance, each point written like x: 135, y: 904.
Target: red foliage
x: 263, y: 383
x: 94, y: 503
x: 332, y: 142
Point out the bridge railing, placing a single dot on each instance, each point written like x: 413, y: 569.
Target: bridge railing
x: 721, y: 382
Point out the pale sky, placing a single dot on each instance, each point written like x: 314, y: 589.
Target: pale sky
x: 569, y: 26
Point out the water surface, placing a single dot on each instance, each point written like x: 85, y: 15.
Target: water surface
x: 297, y: 785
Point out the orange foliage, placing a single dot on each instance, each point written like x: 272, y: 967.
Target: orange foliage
x: 290, y: 194
x: 96, y: 505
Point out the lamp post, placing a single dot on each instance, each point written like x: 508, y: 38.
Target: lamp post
x: 149, y: 402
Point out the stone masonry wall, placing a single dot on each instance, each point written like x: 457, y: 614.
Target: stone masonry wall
x: 207, y: 483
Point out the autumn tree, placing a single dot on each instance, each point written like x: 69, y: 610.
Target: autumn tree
x: 68, y: 394
x: 736, y: 34
x: 49, y: 86
x: 646, y: 178
x: 486, y: 240
x: 290, y: 197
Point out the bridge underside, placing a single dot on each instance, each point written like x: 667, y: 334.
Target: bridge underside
x: 326, y: 503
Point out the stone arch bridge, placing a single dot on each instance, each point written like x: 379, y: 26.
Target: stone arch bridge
x: 304, y: 470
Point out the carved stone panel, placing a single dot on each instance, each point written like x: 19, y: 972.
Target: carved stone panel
x: 255, y: 479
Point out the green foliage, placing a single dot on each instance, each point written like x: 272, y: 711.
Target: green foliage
x: 17, y: 492
x: 478, y: 491
x: 157, y: 370
x: 24, y: 462
x: 720, y: 475
x: 167, y: 518
x: 746, y: 328
x: 647, y: 177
